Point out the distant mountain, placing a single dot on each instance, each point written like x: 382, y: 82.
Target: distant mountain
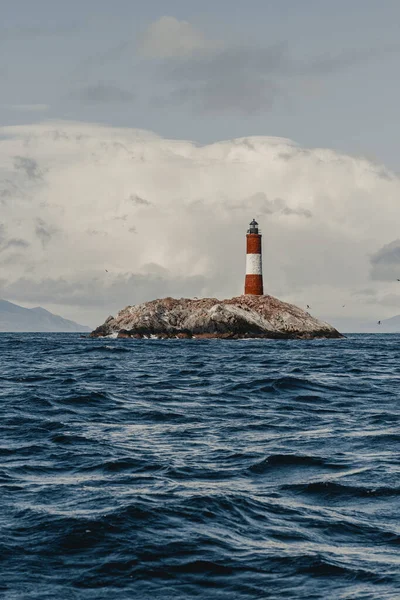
x: 17, y: 318
x: 354, y: 325
x: 392, y: 324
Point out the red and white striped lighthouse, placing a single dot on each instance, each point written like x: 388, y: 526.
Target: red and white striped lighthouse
x: 254, y: 280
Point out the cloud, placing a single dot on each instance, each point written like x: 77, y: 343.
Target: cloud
x: 370, y: 292
x: 100, y: 59
x: 28, y: 166
x: 391, y: 300
x: 231, y: 92
x: 168, y: 217
x: 28, y: 107
x: 169, y: 38
x: 220, y: 76
x: 96, y: 232
x: 44, y: 231
x: 135, y: 199
x: 15, y: 243
x: 96, y: 289
x: 330, y: 64
x: 385, y: 263
x: 7, y: 243
x: 104, y: 93
x: 262, y: 205
x: 300, y: 212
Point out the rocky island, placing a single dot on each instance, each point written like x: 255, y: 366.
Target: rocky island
x: 242, y: 317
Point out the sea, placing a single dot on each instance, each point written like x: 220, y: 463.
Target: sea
x: 199, y: 469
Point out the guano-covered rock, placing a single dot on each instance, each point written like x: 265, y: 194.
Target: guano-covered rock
x: 240, y: 317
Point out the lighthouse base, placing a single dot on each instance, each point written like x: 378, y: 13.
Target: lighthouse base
x: 253, y: 285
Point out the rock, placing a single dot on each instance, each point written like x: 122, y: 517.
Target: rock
x: 101, y: 331
x: 206, y: 318
x: 182, y: 336
x: 124, y: 334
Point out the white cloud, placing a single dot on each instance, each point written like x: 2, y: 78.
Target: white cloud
x: 168, y: 217
x: 169, y: 38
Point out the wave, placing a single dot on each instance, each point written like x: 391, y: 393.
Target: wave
x: 292, y: 460
x: 106, y: 348
x: 338, y: 490
x: 322, y: 567
x: 84, y: 398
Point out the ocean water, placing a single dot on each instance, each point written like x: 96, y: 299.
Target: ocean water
x: 199, y: 469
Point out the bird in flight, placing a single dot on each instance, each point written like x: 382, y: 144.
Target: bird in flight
x: 106, y: 270
x: 379, y: 323
x: 308, y: 306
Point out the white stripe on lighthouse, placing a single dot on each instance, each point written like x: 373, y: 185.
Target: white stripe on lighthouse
x: 253, y: 264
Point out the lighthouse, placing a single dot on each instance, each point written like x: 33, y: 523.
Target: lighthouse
x: 254, y: 281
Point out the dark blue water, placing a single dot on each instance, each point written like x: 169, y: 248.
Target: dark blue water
x: 199, y: 469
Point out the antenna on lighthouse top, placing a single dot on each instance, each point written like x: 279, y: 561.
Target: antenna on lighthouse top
x: 253, y: 227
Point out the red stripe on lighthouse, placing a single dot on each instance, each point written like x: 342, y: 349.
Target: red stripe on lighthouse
x: 253, y: 243
x: 254, y: 280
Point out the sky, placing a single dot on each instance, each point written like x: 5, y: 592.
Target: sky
x: 138, y: 140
